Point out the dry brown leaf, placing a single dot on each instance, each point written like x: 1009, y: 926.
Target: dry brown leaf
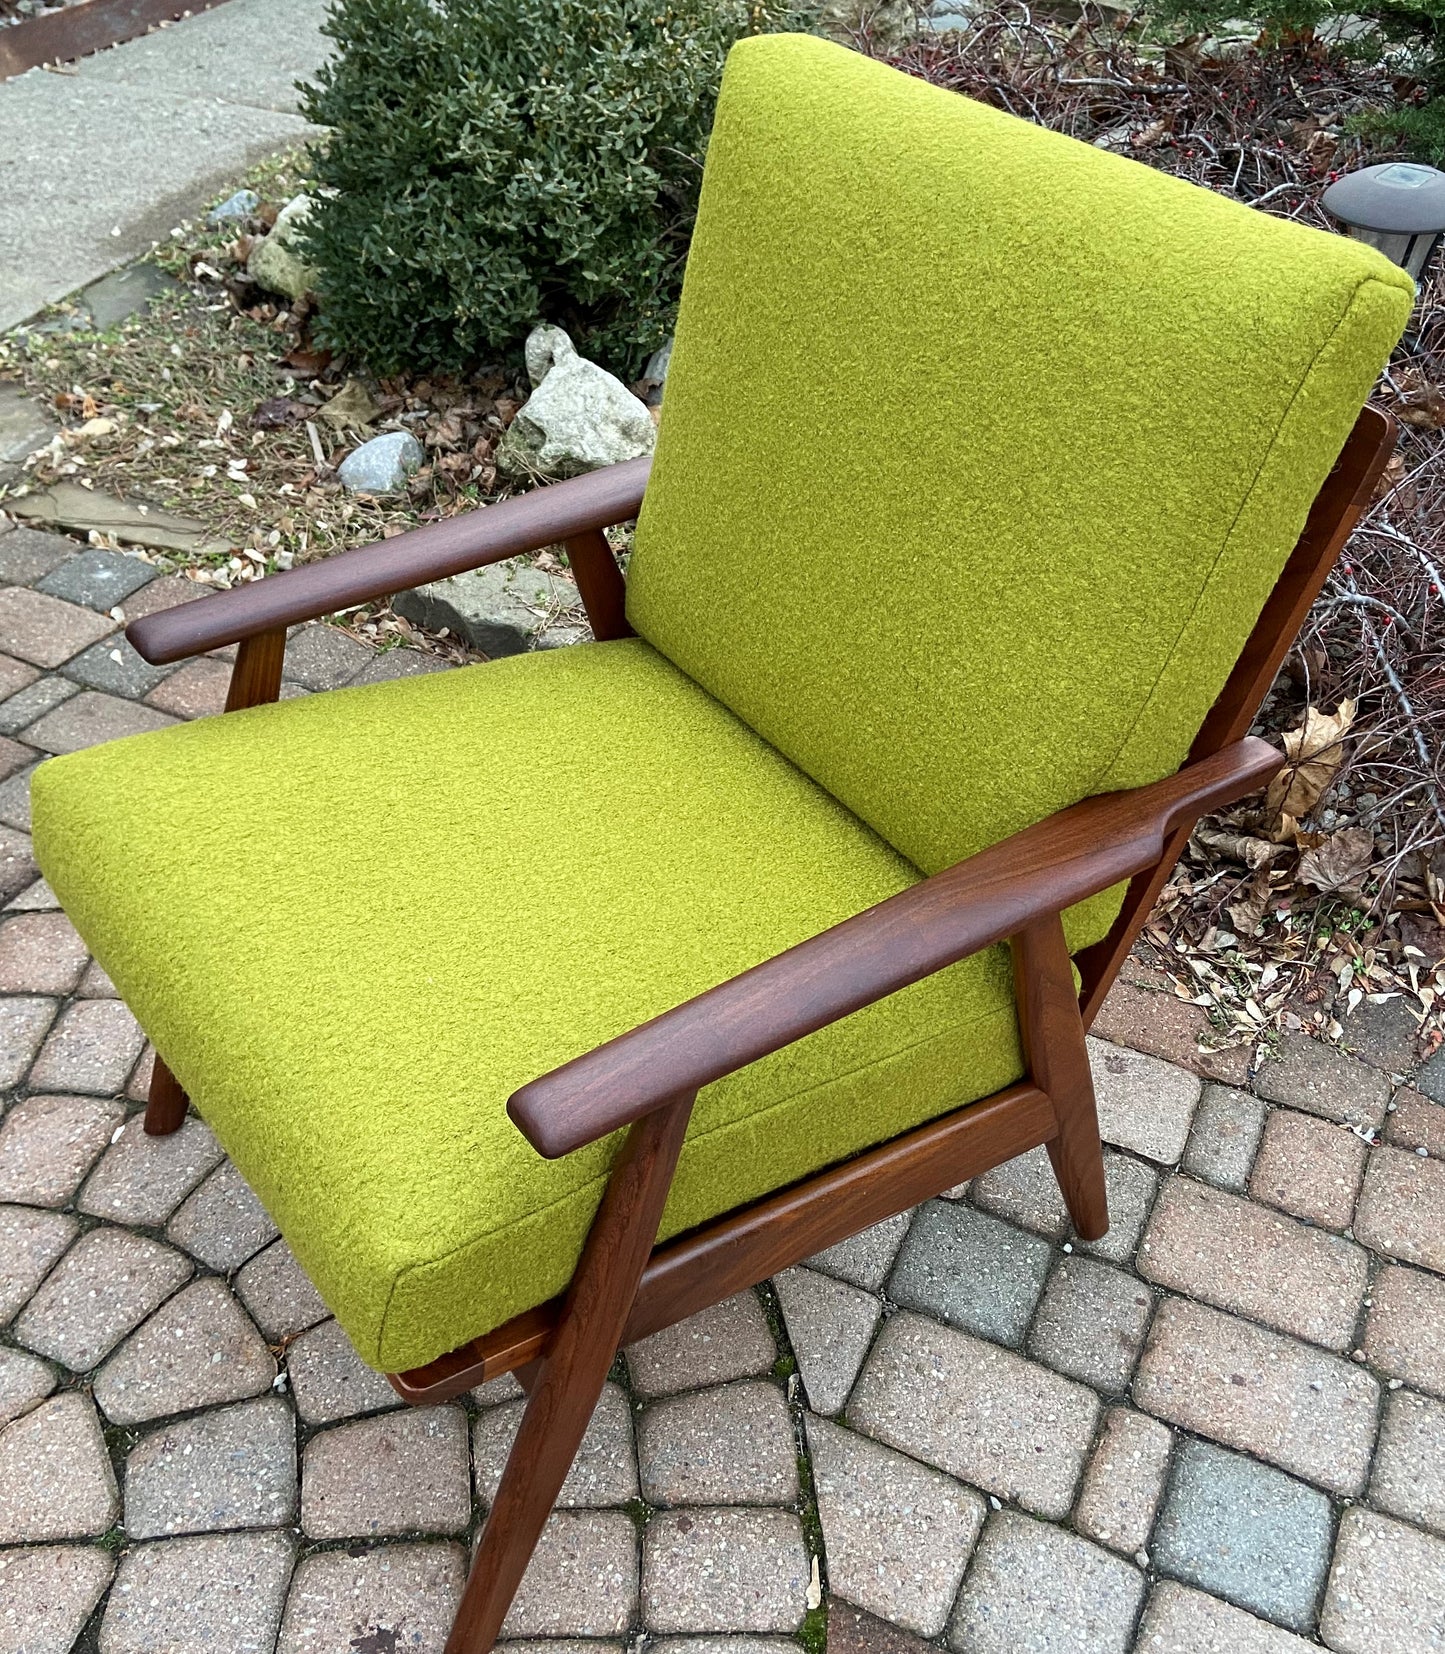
x: 351, y: 408
x: 1314, y: 751
x: 1242, y: 847
x: 1247, y: 908
x: 1341, y: 862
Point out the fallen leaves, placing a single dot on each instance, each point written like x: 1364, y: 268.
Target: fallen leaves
x: 1314, y: 751
x: 1339, y: 862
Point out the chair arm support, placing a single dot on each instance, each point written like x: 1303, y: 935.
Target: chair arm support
x: 960, y: 911
x: 524, y: 523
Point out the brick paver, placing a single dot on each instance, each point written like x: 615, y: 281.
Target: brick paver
x: 1288, y: 1403
x: 1244, y: 1258
x: 979, y: 1412
x: 1011, y: 1372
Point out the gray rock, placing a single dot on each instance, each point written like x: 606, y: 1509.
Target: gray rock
x: 658, y: 364
x: 382, y: 465
x: 276, y: 263
x: 125, y: 293
x: 24, y: 426
x: 498, y: 610
x: 1245, y: 1532
x: 579, y: 418
x: 728, y: 1340
x: 222, y: 1223
x: 240, y: 205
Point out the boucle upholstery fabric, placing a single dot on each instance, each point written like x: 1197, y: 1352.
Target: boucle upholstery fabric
x: 981, y: 448
x: 355, y: 923
x: 981, y: 451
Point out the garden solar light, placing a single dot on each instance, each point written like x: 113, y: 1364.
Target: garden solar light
x: 1398, y: 207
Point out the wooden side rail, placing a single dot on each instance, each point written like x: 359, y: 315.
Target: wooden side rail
x: 563, y: 511
x: 986, y: 899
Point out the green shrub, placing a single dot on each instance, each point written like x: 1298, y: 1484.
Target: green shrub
x: 1414, y: 28
x: 493, y: 163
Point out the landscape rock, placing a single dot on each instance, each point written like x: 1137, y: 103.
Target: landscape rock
x: 382, y: 465
x: 240, y: 205
x: 276, y: 263
x: 579, y: 418
x: 497, y: 610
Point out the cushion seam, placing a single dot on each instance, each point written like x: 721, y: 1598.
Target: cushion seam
x: 492, y: 1234
x: 1284, y: 419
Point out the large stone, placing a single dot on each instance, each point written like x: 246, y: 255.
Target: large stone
x: 232, y: 1468
x: 1240, y: 1256
x: 197, y: 1350
x: 30, y: 1244
x: 1144, y: 1104
x: 729, y: 1446
x: 107, y: 1283
x: 724, y: 1570
x: 48, y: 1144
x: 47, y: 1595
x: 898, y: 1536
x: 729, y: 1340
x: 1386, y: 1593
x: 1294, y: 1405
x: 55, y: 1475
x: 382, y: 465
x: 1242, y: 1531
x: 968, y: 1269
x: 604, y: 1471
x: 978, y: 1412
x: 91, y: 510
x: 277, y: 262
x: 392, y: 1598
x: 221, y: 1593
x: 830, y: 1326
x: 1035, y: 1589
x: 400, y: 1473
x: 578, y: 418
x: 497, y: 610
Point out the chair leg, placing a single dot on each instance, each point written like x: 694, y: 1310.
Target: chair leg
x: 166, y: 1109
x: 1052, y: 1031
x: 565, y: 1385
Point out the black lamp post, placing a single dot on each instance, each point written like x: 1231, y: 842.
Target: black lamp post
x: 1398, y: 207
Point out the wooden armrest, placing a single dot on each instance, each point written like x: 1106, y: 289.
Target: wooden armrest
x: 968, y: 907
x: 489, y: 535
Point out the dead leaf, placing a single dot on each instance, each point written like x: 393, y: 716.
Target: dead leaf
x: 351, y: 408
x: 1341, y: 862
x: 1247, y: 908
x: 1242, y: 847
x: 1314, y: 751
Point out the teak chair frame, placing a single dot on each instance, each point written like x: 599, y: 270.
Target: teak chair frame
x: 625, y: 1285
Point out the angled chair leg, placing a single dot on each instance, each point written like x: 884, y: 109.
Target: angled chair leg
x: 1052, y: 1031
x: 565, y: 1384
x: 166, y: 1108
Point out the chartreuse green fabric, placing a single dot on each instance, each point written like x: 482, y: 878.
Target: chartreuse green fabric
x: 981, y: 451
x: 354, y: 923
x: 982, y: 448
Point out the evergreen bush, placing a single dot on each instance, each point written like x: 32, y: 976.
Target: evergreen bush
x: 493, y: 163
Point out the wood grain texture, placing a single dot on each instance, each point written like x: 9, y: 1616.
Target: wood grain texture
x: 546, y: 516
x: 747, y: 1246
x: 167, y: 1102
x: 256, y: 676
x: 1057, y: 1059
x: 967, y: 907
x: 1337, y: 508
x: 565, y: 1387
x: 599, y: 580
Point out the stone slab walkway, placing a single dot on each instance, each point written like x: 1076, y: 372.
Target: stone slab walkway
x: 1220, y: 1430
x: 102, y: 158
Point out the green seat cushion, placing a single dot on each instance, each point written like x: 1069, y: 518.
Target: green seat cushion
x: 982, y: 448
x: 353, y: 924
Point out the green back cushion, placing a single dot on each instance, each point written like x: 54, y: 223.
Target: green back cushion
x: 981, y: 448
